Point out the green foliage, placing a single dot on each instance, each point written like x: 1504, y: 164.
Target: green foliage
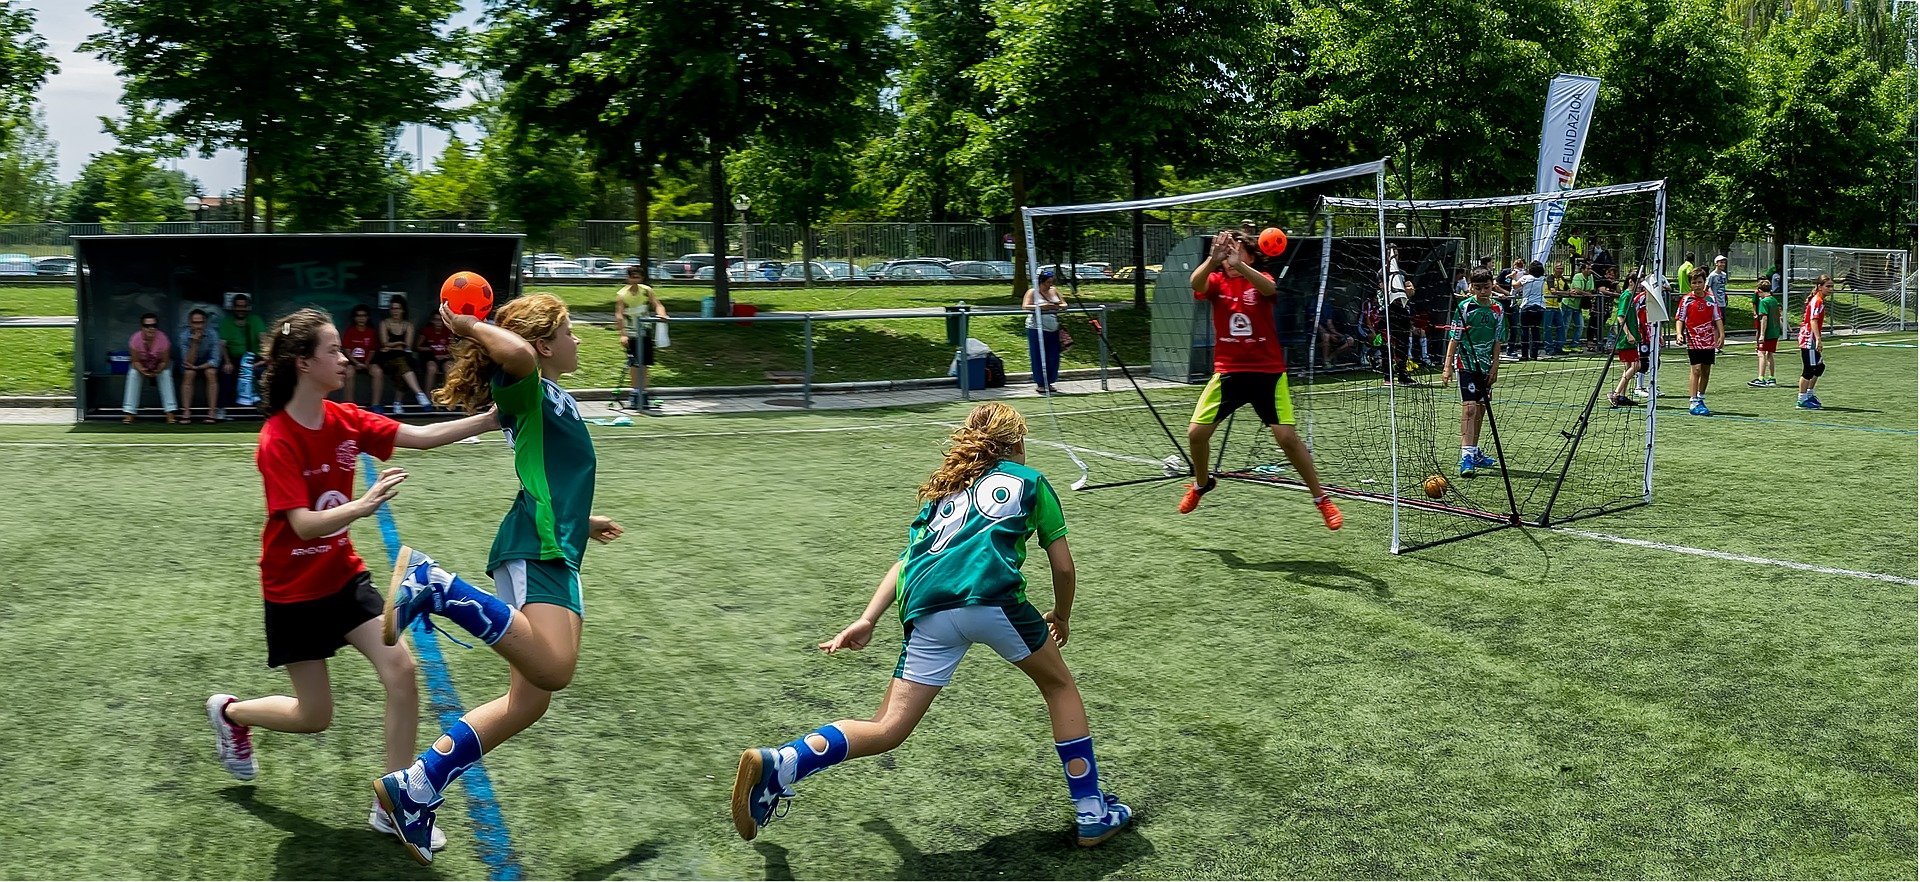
x: 1828, y: 136
x: 25, y: 64
x: 456, y: 187
x: 30, y: 191
x: 308, y: 88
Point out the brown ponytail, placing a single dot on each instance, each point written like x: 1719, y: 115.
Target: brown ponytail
x: 991, y: 433
x: 291, y: 337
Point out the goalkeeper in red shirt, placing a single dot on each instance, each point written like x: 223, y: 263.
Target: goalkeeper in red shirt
x: 1249, y: 366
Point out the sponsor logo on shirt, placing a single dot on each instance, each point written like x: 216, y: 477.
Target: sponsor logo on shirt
x: 327, y: 500
x: 345, y: 453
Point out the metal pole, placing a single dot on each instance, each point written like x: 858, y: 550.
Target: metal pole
x: 1103, y: 346
x: 642, y: 325
x: 806, y: 375
x: 1653, y: 349
x: 966, y: 388
x: 1393, y: 433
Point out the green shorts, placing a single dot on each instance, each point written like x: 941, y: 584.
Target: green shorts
x: 520, y: 582
x: 1226, y: 393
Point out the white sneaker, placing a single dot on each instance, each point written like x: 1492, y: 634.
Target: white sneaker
x: 378, y: 821
x: 425, y: 405
x: 221, y: 414
x: 232, y: 742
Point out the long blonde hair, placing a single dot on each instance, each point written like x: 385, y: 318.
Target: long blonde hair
x: 991, y: 433
x: 470, y: 372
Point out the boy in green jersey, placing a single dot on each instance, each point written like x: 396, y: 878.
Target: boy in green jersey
x: 1768, y: 329
x: 533, y: 619
x: 958, y: 583
x: 1474, y: 336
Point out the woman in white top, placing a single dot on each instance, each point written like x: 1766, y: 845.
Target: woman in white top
x: 1043, y: 331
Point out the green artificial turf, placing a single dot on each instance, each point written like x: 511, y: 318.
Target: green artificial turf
x: 1274, y: 700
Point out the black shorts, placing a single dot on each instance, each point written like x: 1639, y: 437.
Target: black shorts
x: 1812, y: 364
x: 310, y: 630
x: 1700, y: 356
x: 646, y: 349
x: 1474, y: 387
x: 394, y: 361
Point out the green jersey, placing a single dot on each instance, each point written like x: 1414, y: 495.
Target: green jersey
x: 240, y: 337
x: 1770, y: 313
x: 966, y: 548
x: 1479, y: 329
x: 553, y: 457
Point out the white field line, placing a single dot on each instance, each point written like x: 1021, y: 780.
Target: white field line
x: 1741, y: 558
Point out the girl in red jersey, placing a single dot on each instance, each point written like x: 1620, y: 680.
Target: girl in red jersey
x: 318, y: 594
x: 361, y: 342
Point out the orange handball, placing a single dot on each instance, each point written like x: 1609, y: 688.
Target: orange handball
x: 467, y: 294
x: 1435, y: 486
x: 1273, y: 241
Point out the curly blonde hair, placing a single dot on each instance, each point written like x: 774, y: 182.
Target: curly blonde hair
x: 991, y: 433
x: 469, y: 383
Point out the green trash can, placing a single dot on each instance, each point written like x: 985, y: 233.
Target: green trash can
x: 954, y: 322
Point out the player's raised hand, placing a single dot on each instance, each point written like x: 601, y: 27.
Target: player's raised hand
x: 854, y: 636
x: 383, y: 488
x: 1223, y: 245
x: 461, y: 325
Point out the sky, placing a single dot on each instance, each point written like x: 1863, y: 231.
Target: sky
x: 87, y: 88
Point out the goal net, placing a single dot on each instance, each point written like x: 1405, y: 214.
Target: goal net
x: 1564, y: 449
x: 1870, y: 291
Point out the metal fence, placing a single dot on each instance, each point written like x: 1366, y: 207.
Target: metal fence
x: 1098, y: 240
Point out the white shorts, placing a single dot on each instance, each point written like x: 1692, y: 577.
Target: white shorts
x: 936, y: 642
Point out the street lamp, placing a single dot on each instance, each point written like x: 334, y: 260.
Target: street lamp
x: 740, y: 204
x: 194, y: 205
x: 1399, y: 228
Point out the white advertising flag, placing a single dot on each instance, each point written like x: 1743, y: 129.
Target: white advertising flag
x: 1563, y: 137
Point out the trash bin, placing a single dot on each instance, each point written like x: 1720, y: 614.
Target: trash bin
x: 706, y: 306
x: 953, y: 323
x: 745, y: 310
x: 119, y: 362
x: 976, y: 375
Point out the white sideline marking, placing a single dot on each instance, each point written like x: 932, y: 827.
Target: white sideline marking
x: 1740, y: 558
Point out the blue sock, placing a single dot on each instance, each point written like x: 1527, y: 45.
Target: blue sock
x: 1085, y: 787
x: 797, y: 759
x: 480, y: 613
x: 439, y: 769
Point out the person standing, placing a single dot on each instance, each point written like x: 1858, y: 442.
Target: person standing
x: 1767, y: 333
x: 1473, y: 347
x: 1529, y: 291
x: 1555, y: 320
x: 151, y: 359
x: 1697, y: 327
x: 1813, y: 360
x: 1682, y: 281
x: 1043, y: 330
x: 636, y: 338
x: 1578, y: 299
x: 396, y: 357
x: 1717, y: 286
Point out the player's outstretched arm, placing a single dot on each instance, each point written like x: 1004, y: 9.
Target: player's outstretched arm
x: 439, y: 434
x: 1065, y: 580
x: 308, y: 524
x: 856, y: 635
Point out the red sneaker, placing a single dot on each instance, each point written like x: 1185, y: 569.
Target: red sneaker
x: 1191, y: 501
x: 1330, y: 512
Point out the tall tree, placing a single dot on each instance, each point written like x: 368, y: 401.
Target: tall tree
x: 306, y: 88
x: 24, y: 66
x: 30, y: 189
x: 456, y: 186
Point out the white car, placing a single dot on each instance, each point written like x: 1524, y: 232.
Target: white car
x: 559, y: 269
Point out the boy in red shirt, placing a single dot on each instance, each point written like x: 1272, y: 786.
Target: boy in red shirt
x: 1813, y: 361
x: 319, y: 596
x: 1249, y: 367
x: 1697, y: 326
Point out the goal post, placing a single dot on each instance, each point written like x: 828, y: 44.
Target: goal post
x: 1870, y: 291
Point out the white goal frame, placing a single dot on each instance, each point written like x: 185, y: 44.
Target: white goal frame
x: 1798, y: 256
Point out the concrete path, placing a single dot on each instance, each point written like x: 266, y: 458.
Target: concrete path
x: 38, y: 321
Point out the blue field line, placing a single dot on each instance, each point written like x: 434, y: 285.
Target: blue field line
x: 483, y: 810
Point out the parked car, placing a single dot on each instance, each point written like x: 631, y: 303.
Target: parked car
x: 875, y: 269
x: 1126, y: 272
x: 686, y: 266
x: 17, y: 265
x: 1082, y: 271
x: 548, y: 256
x: 885, y: 268
x: 823, y: 271
x: 55, y: 266
x: 981, y: 269
x: 559, y: 269
x: 618, y: 270
x: 910, y: 271
x: 594, y: 265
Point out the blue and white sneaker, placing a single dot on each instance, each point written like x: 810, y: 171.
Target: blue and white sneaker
x: 1095, y: 830
x: 1466, y: 465
x: 758, y: 794
x: 408, y: 804
x: 1482, y: 461
x: 1809, y: 403
x: 377, y: 819
x: 1699, y: 408
x: 417, y: 588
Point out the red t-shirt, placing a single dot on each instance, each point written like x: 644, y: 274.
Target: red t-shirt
x: 357, y: 342
x: 1244, y: 339
x: 437, y: 339
x: 1697, y: 315
x: 313, y: 469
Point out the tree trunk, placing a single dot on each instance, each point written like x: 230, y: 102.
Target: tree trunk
x: 717, y: 178
x: 269, y: 200
x: 1020, y: 280
x: 806, y: 255
x: 246, y: 199
x: 1139, y: 233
